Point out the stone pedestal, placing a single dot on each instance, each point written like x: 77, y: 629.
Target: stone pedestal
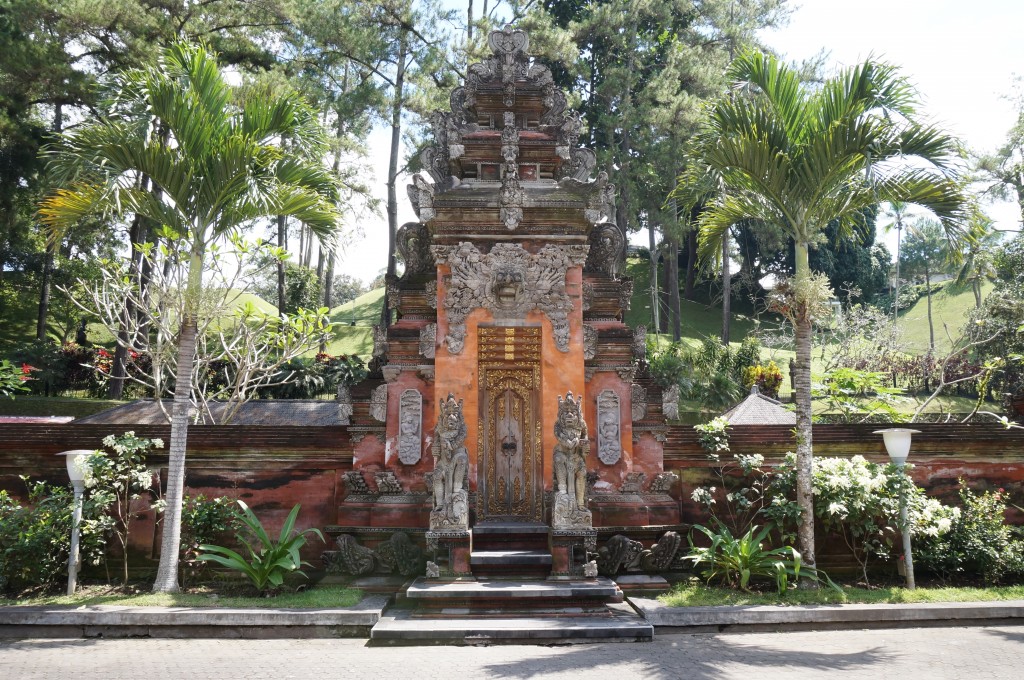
x: 451, y: 554
x: 570, y: 553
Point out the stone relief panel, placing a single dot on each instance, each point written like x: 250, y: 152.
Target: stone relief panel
x: 638, y: 401
x: 589, y: 342
x: 410, y: 428
x: 431, y: 291
x: 379, y: 403
x: 609, y: 434
x: 428, y: 340
x: 510, y: 282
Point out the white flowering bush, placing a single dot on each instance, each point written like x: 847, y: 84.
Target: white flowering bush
x: 859, y: 501
x: 712, y: 436
x: 117, y: 479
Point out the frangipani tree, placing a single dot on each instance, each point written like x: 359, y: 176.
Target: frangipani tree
x: 797, y: 156
x: 217, y: 164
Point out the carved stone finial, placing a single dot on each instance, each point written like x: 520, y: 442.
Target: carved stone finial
x: 609, y: 434
x: 606, y: 251
x: 451, y: 462
x: 570, y: 463
x: 410, y: 436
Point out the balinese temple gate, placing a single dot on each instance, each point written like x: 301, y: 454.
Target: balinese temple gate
x: 514, y: 421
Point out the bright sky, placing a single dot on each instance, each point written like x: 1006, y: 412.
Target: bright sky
x: 961, y: 55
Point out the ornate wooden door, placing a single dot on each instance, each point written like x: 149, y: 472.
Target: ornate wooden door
x: 509, y: 465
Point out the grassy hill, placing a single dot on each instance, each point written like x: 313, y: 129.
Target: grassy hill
x: 951, y: 307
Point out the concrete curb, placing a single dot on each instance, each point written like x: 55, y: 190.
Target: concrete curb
x: 198, y: 622
x: 701, y: 619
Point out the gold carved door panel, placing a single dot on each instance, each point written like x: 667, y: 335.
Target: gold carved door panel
x: 510, y: 486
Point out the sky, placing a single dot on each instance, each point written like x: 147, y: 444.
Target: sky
x: 962, y: 56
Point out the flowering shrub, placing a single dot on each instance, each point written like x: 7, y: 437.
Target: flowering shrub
x: 13, y: 378
x: 117, y: 480
x: 712, y: 437
x: 860, y: 501
x: 977, y: 541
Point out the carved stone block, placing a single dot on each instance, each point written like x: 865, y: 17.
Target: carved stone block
x: 609, y: 431
x: 634, y: 482
x: 663, y: 482
x: 387, y: 483
x: 638, y: 401
x: 344, y: 401
x: 391, y: 372
x: 355, y: 483
x: 428, y: 340
x: 589, y: 342
x: 410, y: 428
x: 639, y: 346
x: 670, y: 402
x: 379, y: 403
x: 380, y: 341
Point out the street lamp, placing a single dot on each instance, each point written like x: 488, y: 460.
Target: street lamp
x: 76, y: 463
x: 897, y: 444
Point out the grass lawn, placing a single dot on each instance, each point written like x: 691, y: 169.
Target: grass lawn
x: 325, y: 597
x: 696, y: 594
x: 950, y: 308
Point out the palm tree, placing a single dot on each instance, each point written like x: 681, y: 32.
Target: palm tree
x: 796, y: 158
x: 897, y: 210
x: 927, y: 253
x: 978, y: 260
x: 219, y: 166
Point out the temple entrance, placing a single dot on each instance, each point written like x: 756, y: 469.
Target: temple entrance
x: 510, y: 482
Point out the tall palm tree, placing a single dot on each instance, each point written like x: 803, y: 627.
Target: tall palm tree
x: 219, y: 167
x: 897, y: 210
x: 798, y: 157
x: 928, y: 253
x: 978, y: 260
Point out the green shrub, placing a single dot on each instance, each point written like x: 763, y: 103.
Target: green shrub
x: 203, y: 520
x: 268, y: 561
x: 35, y: 538
x: 978, y: 542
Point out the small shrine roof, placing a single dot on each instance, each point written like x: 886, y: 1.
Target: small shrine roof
x: 757, y: 409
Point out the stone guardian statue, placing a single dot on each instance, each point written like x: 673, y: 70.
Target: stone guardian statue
x: 451, y: 499
x: 570, y: 462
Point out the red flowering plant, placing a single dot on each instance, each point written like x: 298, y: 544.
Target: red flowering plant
x: 13, y: 378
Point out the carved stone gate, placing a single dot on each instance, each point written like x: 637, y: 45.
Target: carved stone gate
x: 510, y: 484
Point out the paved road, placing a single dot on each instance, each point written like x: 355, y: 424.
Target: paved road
x: 932, y: 653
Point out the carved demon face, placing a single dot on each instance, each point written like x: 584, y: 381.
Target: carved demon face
x: 508, y: 286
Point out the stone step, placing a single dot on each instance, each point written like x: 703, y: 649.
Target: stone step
x: 400, y: 627
x: 505, y: 528
x: 510, y: 557
x: 510, y: 536
x: 498, y: 589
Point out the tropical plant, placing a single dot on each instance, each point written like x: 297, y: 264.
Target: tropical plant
x: 767, y: 377
x: 856, y: 396
x: 268, y: 561
x: 218, y: 165
x: 978, y: 261
x: 796, y: 157
x: 926, y: 253
x: 117, y: 481
x: 13, y: 378
x: 737, y: 561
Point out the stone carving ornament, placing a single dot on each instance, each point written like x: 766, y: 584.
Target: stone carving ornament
x: 413, y: 244
x: 410, y: 436
x: 670, y: 402
x: 606, y: 250
x: 344, y: 401
x: 509, y: 281
x: 379, y: 403
x: 638, y: 401
x: 609, y: 438
x: 428, y: 340
x: 451, y: 462
x: 380, y: 341
x: 622, y: 553
x: 570, y: 463
x: 387, y: 483
x: 589, y: 342
x: 398, y: 554
x: 639, y: 346
x: 663, y: 482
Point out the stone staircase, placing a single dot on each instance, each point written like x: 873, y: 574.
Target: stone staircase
x: 509, y: 599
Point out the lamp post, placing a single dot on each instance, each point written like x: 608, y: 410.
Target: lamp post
x: 75, y: 461
x: 897, y: 444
